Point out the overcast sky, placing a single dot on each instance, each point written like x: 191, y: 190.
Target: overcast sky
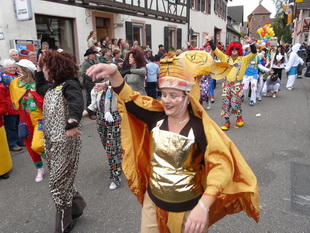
x: 250, y: 5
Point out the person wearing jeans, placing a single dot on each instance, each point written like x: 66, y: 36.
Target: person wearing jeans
x: 11, y: 120
x: 151, y: 81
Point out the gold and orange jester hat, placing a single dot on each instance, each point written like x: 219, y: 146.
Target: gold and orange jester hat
x: 181, y: 72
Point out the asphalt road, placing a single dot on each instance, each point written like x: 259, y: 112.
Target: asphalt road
x: 275, y: 145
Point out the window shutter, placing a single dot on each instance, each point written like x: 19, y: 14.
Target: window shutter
x: 166, y: 38
x: 129, y: 35
x: 148, y: 32
x: 179, y: 38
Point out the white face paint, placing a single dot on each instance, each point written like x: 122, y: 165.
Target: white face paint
x: 234, y: 52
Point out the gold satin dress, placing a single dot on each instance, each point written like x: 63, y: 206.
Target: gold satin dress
x: 176, y: 169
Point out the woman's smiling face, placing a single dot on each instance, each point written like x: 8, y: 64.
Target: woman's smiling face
x: 173, y: 101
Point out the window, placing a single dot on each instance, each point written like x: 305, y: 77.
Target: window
x: 172, y: 37
x: 193, y: 4
x: 56, y: 31
x: 199, y: 5
x: 137, y: 32
x: 102, y: 27
x: 194, y: 40
x: 203, y: 5
x: 208, y: 6
x: 220, y: 7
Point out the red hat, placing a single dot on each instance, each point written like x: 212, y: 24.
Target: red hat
x: 206, y: 44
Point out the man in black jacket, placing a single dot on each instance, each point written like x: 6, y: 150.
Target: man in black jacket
x: 91, y: 59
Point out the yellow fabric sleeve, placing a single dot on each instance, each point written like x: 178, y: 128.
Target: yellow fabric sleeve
x: 220, y: 55
x: 16, y: 92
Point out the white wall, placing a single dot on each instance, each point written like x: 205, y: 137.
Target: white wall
x: 201, y: 22
x: 14, y: 29
x: 157, y: 30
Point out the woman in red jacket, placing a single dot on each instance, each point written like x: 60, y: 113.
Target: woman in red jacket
x: 5, y: 157
x: 11, y: 120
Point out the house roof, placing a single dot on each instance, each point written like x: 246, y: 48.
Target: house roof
x: 260, y: 10
x: 236, y: 13
x: 232, y: 30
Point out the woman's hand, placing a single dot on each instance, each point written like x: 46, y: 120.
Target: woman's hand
x: 99, y: 86
x: 207, y: 37
x: 109, y: 71
x: 197, y: 220
x: 247, y: 40
x: 74, y: 132
x: 101, y: 70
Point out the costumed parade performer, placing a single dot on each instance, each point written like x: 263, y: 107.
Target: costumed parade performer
x: 291, y: 66
x: 207, y: 84
x: 184, y: 170
x: 29, y: 103
x: 11, y: 120
x: 104, y: 103
x: 279, y: 60
x: 272, y: 86
x: 251, y: 76
x: 5, y: 156
x: 232, y: 90
x: 63, y: 107
x: 265, y: 61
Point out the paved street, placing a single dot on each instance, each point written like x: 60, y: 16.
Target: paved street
x: 275, y: 145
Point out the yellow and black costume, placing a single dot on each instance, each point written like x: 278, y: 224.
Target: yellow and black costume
x: 176, y: 170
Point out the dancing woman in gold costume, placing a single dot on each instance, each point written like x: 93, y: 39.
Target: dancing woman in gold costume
x: 184, y: 170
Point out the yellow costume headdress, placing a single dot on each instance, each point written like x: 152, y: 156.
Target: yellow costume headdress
x: 181, y: 72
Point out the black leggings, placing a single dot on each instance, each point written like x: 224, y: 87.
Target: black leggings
x: 278, y: 72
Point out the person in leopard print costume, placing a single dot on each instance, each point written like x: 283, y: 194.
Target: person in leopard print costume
x: 62, y: 113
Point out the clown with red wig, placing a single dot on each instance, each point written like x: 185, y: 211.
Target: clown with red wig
x: 232, y: 89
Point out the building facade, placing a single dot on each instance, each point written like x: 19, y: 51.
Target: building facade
x: 257, y: 19
x: 301, y: 22
x: 67, y: 23
x: 234, y: 23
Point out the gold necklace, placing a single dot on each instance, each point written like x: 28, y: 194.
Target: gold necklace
x: 178, y: 122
